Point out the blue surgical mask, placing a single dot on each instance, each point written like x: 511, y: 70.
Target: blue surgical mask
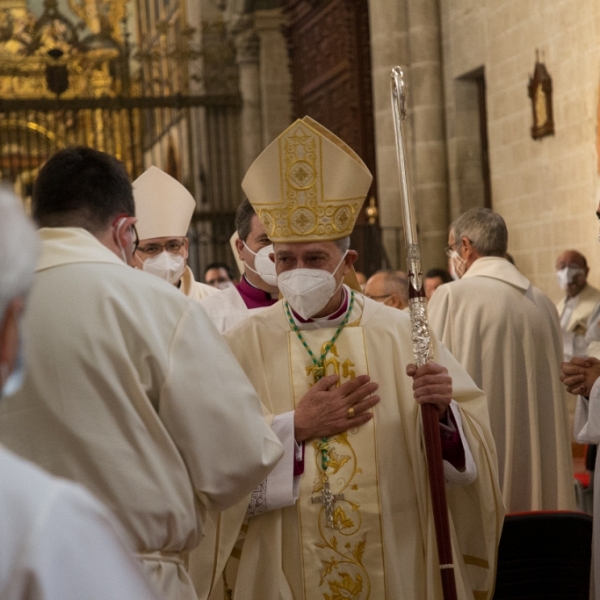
x: 15, y: 380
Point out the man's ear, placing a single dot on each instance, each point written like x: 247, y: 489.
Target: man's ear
x: 239, y: 246
x: 395, y: 301
x: 469, y: 250
x: 186, y: 246
x: 350, y: 258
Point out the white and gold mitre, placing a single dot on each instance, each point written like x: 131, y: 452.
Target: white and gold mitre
x: 163, y: 206
x: 307, y: 185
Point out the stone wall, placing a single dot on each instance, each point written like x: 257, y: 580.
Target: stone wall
x: 547, y: 190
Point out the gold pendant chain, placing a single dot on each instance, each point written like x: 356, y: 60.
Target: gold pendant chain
x: 320, y: 365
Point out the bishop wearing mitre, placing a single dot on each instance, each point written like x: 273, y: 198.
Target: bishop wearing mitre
x: 362, y: 524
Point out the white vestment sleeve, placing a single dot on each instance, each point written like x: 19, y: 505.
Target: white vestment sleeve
x: 75, y: 550
x: 280, y: 488
x: 453, y: 476
x: 587, y: 417
x: 214, y: 416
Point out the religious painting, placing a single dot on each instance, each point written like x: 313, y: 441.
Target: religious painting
x: 540, y: 92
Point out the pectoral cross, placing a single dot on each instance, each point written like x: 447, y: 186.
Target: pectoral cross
x: 328, y: 500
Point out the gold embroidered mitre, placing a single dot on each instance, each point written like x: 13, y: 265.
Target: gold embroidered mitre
x: 307, y: 185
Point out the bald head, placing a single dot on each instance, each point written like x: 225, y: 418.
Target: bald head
x: 572, y: 270
x: 388, y: 287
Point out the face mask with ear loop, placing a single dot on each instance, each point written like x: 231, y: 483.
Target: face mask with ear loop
x: 459, y: 265
x: 264, y: 266
x: 166, y: 266
x: 120, y: 224
x: 308, y: 291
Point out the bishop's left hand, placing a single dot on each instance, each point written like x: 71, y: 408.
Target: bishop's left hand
x: 432, y: 385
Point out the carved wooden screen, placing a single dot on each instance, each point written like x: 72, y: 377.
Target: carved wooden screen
x: 329, y: 46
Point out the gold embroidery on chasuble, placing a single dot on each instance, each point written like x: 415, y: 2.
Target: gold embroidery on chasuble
x: 345, y: 562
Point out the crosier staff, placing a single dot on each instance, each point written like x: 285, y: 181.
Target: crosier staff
x: 423, y: 349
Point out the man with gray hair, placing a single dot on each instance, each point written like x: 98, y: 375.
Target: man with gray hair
x: 505, y: 333
x: 46, y: 523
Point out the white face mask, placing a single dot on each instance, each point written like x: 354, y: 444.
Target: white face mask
x: 458, y: 264
x: 223, y: 285
x: 264, y: 266
x: 567, y: 275
x: 308, y: 291
x: 166, y: 266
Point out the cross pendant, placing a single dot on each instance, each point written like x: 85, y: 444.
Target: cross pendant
x: 328, y: 500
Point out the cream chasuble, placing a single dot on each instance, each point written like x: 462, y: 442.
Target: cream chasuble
x: 194, y: 289
x: 505, y: 333
x: 383, y: 546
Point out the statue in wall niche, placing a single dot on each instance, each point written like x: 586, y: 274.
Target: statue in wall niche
x: 540, y: 92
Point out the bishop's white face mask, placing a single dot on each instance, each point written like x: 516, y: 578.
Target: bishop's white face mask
x: 458, y: 264
x: 567, y: 275
x: 264, y: 266
x: 166, y: 266
x: 308, y: 291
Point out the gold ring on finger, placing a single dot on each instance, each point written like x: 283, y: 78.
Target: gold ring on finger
x: 351, y: 412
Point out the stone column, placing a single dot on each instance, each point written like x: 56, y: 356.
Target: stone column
x: 407, y: 33
x: 430, y: 178
x: 247, y: 58
x: 275, y: 77
x: 389, y: 47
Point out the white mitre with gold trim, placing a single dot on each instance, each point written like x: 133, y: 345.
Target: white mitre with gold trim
x: 163, y: 206
x: 307, y: 185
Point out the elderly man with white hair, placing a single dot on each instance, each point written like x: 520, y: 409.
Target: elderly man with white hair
x: 46, y: 523
x: 505, y: 333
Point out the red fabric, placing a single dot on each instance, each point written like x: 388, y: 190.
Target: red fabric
x: 452, y: 448
x: 299, y: 464
x: 252, y: 296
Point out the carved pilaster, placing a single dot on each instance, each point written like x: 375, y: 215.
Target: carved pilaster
x: 247, y: 47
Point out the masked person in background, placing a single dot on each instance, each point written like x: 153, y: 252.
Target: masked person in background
x: 257, y: 288
x: 577, y: 307
x: 362, y: 507
x: 164, y: 209
x: 46, y: 523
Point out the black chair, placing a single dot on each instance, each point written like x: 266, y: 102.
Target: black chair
x: 545, y: 556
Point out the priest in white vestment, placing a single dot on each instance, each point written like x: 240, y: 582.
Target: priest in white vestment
x: 505, y: 333
x: 46, y: 523
x: 164, y: 210
x: 257, y: 288
x: 362, y: 525
x: 130, y: 390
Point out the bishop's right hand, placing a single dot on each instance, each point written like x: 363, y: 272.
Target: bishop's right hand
x: 580, y: 374
x: 326, y: 410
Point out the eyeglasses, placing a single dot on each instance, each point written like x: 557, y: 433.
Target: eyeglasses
x: 136, y: 239
x: 172, y: 246
x: 450, y: 249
